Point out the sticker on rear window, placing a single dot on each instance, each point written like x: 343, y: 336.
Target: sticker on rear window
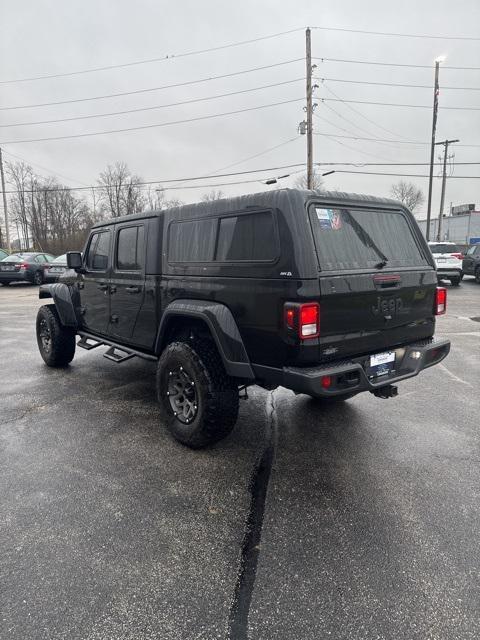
x: 329, y: 218
x: 323, y: 216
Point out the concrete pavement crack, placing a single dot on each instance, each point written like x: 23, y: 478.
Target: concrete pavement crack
x: 240, y: 608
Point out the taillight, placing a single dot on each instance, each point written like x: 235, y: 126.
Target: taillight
x: 304, y: 319
x: 24, y: 265
x: 309, y: 320
x: 457, y: 255
x: 440, y: 301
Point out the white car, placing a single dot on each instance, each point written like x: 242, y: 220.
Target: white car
x: 448, y: 260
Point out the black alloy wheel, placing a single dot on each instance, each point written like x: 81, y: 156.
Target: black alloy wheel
x: 182, y: 395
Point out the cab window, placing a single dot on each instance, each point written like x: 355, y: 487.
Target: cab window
x: 130, y: 249
x: 97, y: 258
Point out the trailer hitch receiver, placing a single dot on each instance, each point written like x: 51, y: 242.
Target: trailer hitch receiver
x: 388, y: 391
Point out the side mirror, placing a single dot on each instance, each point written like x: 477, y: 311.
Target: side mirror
x: 74, y: 260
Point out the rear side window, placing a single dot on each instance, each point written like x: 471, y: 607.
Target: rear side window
x: 192, y: 240
x: 361, y: 239
x: 247, y: 238
x: 97, y: 259
x: 130, y: 249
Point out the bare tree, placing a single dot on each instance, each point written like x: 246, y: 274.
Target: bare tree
x: 301, y: 181
x: 19, y: 175
x: 120, y: 191
x: 156, y: 198
x: 48, y: 216
x: 408, y: 194
x: 213, y: 195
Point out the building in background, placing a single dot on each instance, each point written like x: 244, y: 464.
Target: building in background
x: 462, y: 225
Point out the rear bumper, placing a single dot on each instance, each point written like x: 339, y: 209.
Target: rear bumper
x: 351, y: 376
x: 446, y: 272
x: 14, y: 276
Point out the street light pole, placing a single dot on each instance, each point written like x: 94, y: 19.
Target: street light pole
x: 445, y: 144
x: 432, y: 147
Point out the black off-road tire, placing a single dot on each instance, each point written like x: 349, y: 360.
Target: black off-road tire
x: 56, y: 343
x: 477, y: 275
x: 38, y: 278
x: 455, y: 282
x: 214, y: 395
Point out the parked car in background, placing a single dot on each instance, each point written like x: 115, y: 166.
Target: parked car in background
x: 24, y: 267
x: 471, y: 262
x: 3, y: 254
x: 53, y: 270
x: 448, y: 260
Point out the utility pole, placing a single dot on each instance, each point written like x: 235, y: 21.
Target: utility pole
x: 308, y: 59
x: 432, y: 147
x: 7, y: 232
x: 445, y: 144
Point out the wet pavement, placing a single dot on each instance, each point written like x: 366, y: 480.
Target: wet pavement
x: 359, y: 521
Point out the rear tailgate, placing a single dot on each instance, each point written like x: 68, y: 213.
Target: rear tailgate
x: 377, y: 282
x: 367, y: 313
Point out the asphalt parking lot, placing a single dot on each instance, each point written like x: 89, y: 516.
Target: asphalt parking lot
x: 359, y: 522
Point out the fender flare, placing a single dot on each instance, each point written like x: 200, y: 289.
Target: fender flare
x: 62, y: 297
x: 222, y: 326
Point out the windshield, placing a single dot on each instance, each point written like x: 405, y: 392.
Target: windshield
x: 360, y: 239
x: 16, y: 258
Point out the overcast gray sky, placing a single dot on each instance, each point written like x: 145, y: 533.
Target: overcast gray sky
x: 44, y: 37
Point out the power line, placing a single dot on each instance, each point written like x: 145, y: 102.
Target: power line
x: 256, y: 155
x: 394, y: 64
x: 398, y: 35
x: 364, y: 117
x: 361, y: 151
x: 403, y: 175
x: 396, y: 84
x: 153, y: 108
x: 151, y: 60
x: 250, y: 171
x: 153, y: 126
x: 353, y: 135
x: 149, y: 90
x: 396, y: 104
x: 317, y: 133
x: 353, y: 123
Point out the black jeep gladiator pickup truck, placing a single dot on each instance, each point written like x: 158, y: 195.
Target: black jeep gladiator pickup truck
x: 327, y: 294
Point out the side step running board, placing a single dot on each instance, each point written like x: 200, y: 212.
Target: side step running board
x: 116, y: 352
x: 118, y: 355
x: 85, y: 344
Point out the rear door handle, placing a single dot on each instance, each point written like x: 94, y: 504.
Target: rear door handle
x: 132, y: 289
